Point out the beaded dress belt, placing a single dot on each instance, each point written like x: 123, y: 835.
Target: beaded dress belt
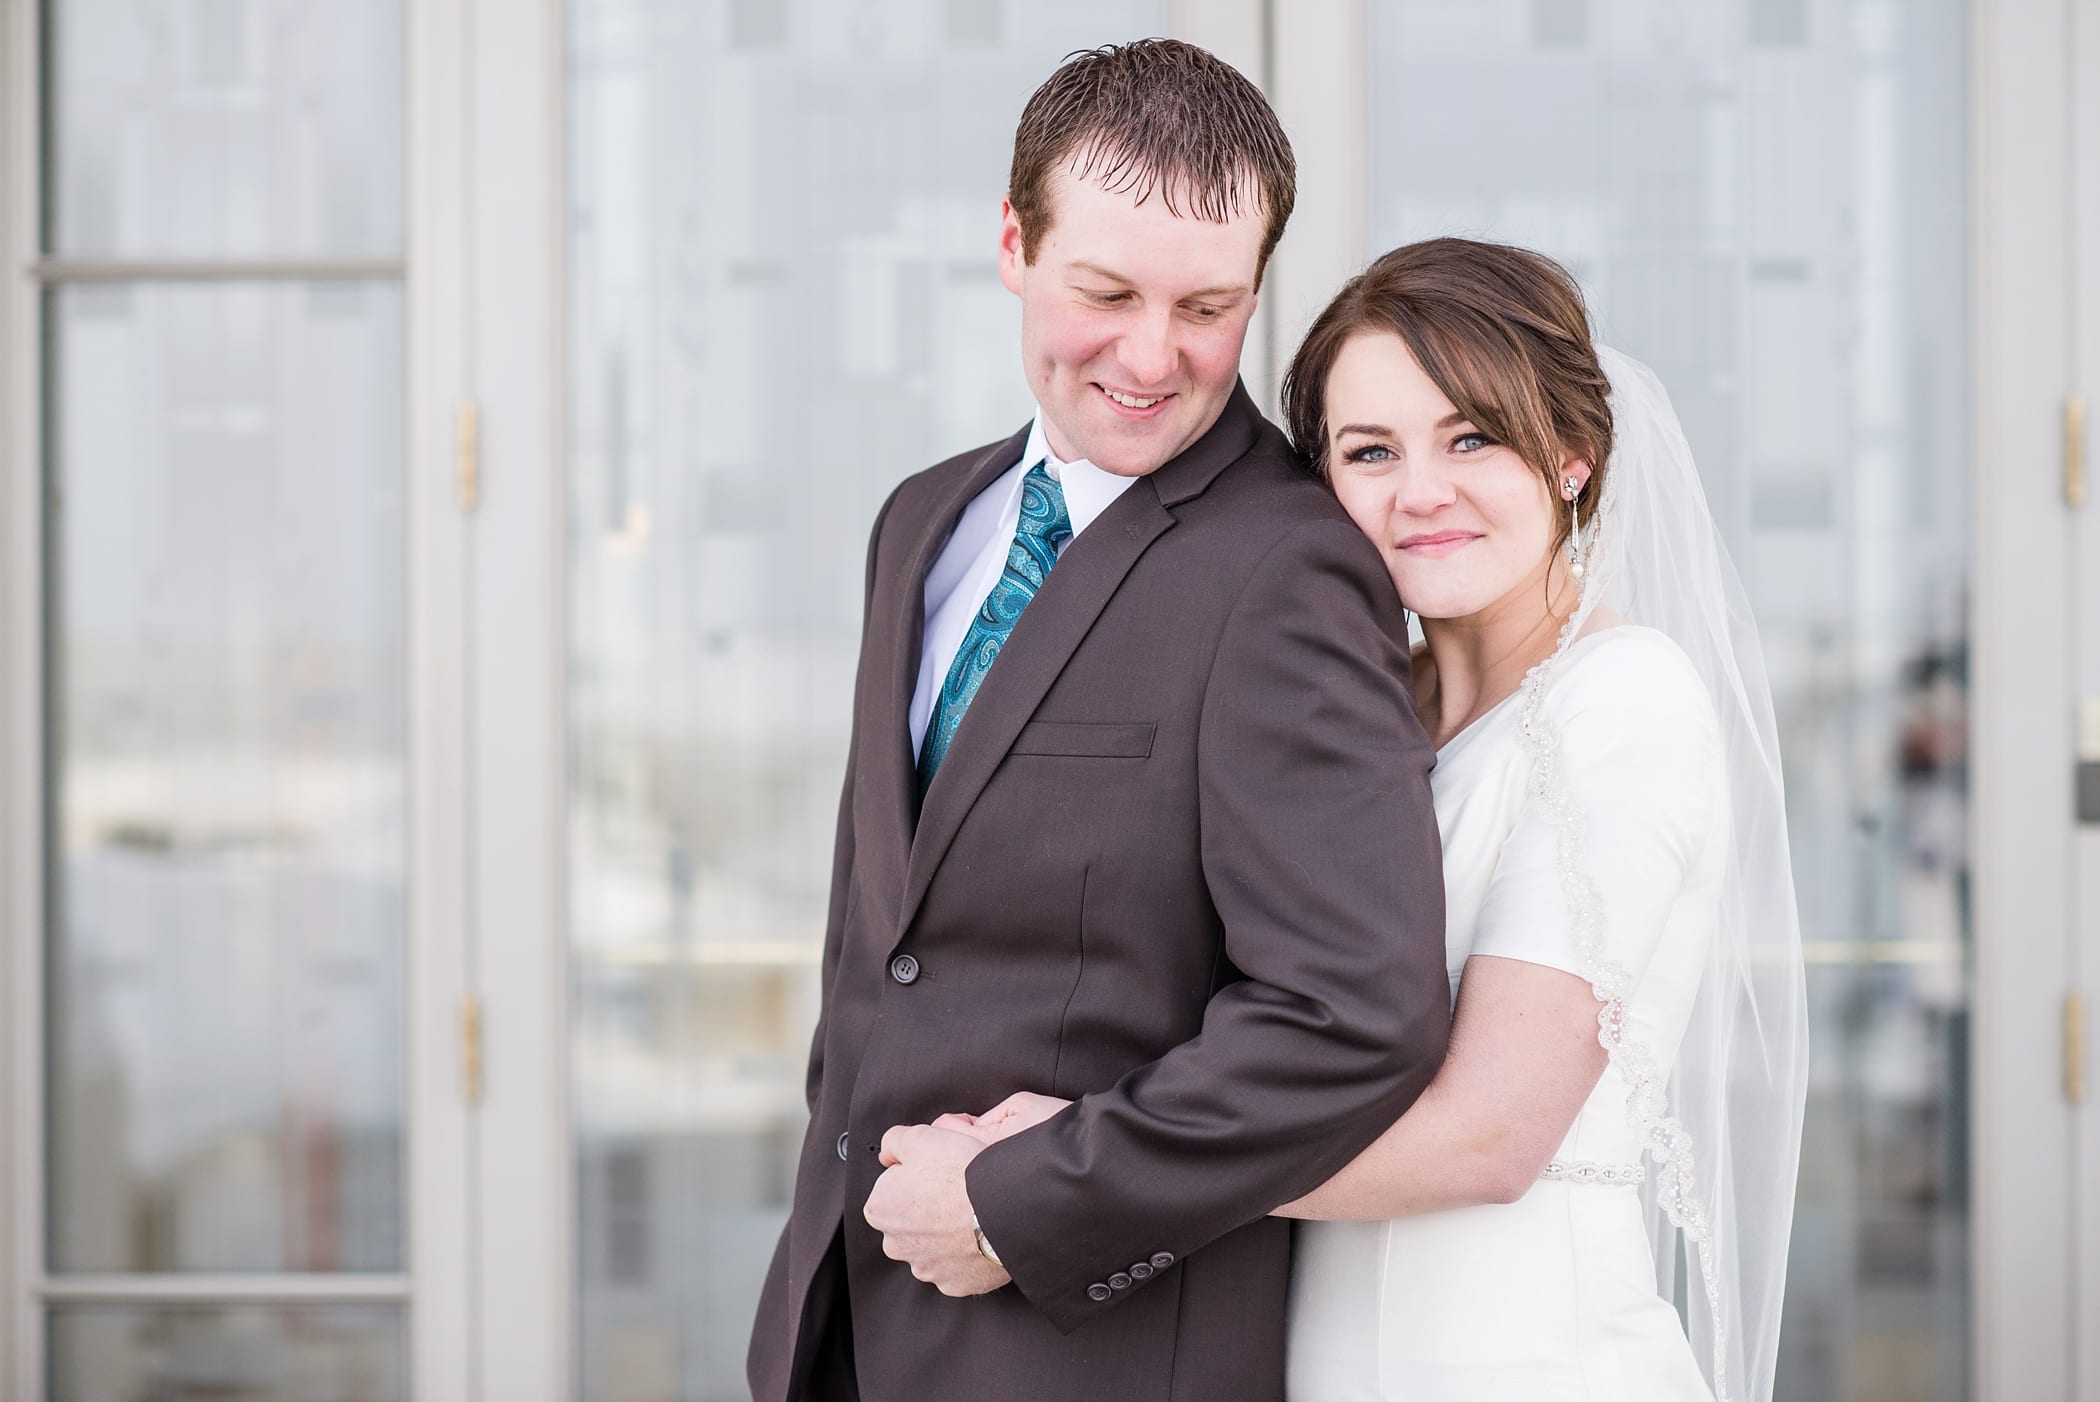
x: 1571, y: 1171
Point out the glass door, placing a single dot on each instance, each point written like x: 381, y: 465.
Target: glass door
x: 1765, y: 202
x: 221, y: 1085
x: 782, y: 299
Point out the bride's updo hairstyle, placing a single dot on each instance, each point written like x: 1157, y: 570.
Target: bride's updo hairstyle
x: 1501, y: 331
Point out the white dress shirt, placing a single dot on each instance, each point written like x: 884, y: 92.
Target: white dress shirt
x: 972, y: 560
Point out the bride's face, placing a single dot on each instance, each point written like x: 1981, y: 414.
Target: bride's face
x: 1464, y: 523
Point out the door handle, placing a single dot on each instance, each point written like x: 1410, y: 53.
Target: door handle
x: 2087, y: 773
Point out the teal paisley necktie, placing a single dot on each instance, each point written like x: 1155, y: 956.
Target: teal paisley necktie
x: 1044, y: 526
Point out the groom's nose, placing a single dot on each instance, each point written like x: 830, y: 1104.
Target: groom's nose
x: 1147, y: 351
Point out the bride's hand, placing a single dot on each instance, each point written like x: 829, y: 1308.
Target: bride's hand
x: 1019, y: 1111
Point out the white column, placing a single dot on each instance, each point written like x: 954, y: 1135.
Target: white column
x: 1238, y: 32
x: 1317, y: 63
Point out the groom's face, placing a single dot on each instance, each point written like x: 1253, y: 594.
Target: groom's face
x: 1132, y: 319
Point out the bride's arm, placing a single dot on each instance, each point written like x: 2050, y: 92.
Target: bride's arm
x: 1524, y: 1057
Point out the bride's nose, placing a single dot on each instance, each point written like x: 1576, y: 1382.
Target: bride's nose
x: 1421, y: 489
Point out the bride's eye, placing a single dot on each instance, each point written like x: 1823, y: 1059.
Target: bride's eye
x: 1369, y: 453
x: 1472, y: 443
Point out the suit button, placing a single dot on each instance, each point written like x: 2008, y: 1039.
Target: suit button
x: 904, y: 969
x: 1119, y: 1281
x: 842, y: 1147
x: 1162, y: 1259
x: 1098, y: 1291
x: 1142, y: 1270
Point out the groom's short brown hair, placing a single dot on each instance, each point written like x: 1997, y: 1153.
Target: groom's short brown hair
x: 1157, y: 115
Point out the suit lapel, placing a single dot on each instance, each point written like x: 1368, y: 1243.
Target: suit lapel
x: 1043, y: 640
x: 1050, y: 630
x: 893, y: 781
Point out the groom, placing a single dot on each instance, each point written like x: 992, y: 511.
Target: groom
x: 1136, y: 813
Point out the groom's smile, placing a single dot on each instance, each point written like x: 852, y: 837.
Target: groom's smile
x: 1134, y: 405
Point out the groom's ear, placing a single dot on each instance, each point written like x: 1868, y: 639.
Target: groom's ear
x: 1013, y: 255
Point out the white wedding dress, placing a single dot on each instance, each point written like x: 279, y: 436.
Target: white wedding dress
x: 1551, y: 1298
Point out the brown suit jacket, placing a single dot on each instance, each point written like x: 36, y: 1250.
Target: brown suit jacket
x: 1181, y: 865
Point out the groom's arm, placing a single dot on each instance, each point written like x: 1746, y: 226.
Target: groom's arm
x: 1321, y: 855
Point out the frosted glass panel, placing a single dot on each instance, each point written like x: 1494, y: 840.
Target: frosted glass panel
x: 224, y: 128
x: 226, y: 949
x: 183, y: 1353
x: 1765, y: 200
x: 784, y: 297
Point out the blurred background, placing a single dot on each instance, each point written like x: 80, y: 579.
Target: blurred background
x: 439, y: 443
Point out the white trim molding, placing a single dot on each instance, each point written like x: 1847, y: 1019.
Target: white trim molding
x: 2021, y: 678
x: 2082, y: 170
x: 515, y: 570
x: 442, y: 1219
x: 21, y: 758
x: 52, y: 270
x: 224, y: 1289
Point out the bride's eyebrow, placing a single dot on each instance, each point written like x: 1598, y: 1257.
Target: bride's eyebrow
x: 1452, y: 420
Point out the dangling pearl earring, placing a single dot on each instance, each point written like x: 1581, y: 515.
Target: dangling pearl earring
x: 1570, y: 488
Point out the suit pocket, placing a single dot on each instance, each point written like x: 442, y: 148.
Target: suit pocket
x: 1085, y: 739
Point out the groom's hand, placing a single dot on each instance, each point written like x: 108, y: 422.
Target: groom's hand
x: 1024, y: 1109
x: 921, y: 1205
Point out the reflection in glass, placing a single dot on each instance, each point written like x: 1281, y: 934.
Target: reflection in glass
x: 784, y: 297
x: 230, y: 128
x: 231, y: 1353
x: 1770, y: 214
x: 226, y: 973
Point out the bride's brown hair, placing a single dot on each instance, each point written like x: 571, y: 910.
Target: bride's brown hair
x: 1502, y: 331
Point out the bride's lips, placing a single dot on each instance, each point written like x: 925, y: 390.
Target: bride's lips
x: 1437, y: 543
x: 1150, y: 411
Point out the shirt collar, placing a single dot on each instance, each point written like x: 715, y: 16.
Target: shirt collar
x: 1088, y: 489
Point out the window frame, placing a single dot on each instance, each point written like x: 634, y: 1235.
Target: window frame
x: 2023, y: 1138
x: 21, y: 759
x: 28, y: 1291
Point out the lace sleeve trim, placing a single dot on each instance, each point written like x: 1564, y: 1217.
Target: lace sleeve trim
x: 1667, y: 1142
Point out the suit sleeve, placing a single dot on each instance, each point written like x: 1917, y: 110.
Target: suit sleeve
x: 1321, y: 855
x: 842, y: 843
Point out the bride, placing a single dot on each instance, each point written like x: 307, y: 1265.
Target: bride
x: 1628, y: 1048
x: 1617, y: 1123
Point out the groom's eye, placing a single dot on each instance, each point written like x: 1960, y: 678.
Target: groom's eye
x: 1109, y: 299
